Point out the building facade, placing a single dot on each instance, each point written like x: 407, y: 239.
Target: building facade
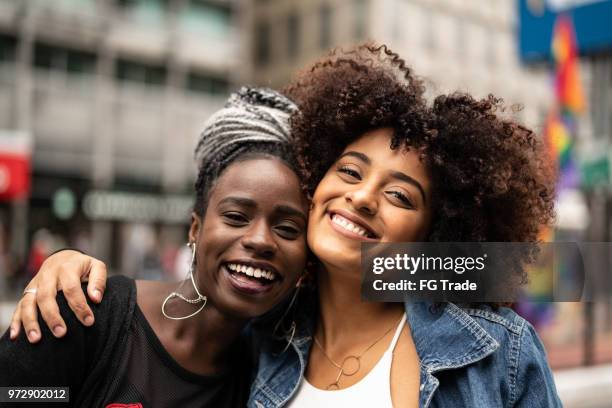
x: 452, y: 44
x: 113, y: 94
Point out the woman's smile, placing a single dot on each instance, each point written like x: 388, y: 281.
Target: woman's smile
x: 251, y: 277
x: 351, y: 225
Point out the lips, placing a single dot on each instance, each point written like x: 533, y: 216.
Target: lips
x: 351, y: 225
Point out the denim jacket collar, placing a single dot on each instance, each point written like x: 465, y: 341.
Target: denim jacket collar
x: 445, y: 338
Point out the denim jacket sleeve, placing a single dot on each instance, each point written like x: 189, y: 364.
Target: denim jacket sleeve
x: 480, y: 358
x: 534, y: 386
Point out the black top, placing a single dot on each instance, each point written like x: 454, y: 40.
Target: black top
x: 119, y: 360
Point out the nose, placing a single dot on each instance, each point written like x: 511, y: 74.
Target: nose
x: 364, y: 198
x: 258, y: 239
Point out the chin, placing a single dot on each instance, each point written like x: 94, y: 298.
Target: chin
x: 335, y: 254
x: 241, y: 309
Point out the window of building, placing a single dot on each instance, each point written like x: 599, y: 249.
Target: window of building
x: 262, y: 43
x: 361, y: 19
x: 47, y: 56
x: 210, y: 19
x: 208, y: 84
x: 143, y: 3
x: 293, y: 35
x: 8, y: 47
x: 325, y: 33
x: 145, y: 11
x: 133, y: 71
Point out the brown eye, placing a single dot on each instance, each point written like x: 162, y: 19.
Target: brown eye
x: 288, y: 231
x: 401, y: 198
x: 349, y: 172
x: 235, y: 218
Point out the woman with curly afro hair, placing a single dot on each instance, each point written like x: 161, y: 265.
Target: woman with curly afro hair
x: 398, y: 170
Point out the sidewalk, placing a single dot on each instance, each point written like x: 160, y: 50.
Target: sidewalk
x: 585, y: 387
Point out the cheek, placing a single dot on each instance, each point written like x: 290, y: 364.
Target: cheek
x: 405, y: 227
x: 295, y: 256
x: 326, y: 188
x: 218, y: 237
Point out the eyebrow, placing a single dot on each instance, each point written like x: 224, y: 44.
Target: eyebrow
x: 358, y: 155
x: 395, y: 174
x: 291, y: 211
x: 247, y: 202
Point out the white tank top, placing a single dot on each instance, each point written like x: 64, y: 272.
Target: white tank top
x: 374, y: 390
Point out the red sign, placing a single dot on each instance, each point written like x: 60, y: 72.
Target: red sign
x: 15, y: 173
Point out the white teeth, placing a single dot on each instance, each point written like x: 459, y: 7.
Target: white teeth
x: 344, y: 223
x: 250, y: 271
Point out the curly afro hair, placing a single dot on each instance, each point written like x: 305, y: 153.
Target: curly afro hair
x: 494, y: 181
x: 348, y: 93
x: 490, y: 178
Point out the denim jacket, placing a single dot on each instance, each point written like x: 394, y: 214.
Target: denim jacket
x: 469, y: 358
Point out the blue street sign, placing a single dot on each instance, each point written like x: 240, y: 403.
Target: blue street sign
x: 592, y: 21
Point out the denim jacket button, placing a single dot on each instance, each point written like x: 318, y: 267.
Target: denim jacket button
x: 421, y: 387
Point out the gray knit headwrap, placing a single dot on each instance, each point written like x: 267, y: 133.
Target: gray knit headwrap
x: 250, y: 116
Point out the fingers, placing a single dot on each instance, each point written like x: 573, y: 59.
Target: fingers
x: 71, y: 286
x: 15, y: 326
x: 45, y: 297
x: 29, y: 317
x: 97, y: 281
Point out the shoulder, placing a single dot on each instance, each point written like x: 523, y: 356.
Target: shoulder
x: 119, y: 294
x: 510, y: 330
x: 501, y: 323
x: 517, y: 339
x: 112, y: 315
x: 522, y: 354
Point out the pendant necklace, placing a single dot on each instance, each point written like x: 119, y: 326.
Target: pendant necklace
x: 351, y: 363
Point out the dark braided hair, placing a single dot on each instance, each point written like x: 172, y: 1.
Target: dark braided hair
x: 208, y: 175
x: 253, y: 124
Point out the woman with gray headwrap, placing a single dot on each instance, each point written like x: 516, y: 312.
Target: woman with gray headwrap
x: 156, y: 344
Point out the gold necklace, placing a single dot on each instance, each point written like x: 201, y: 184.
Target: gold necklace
x: 351, y: 358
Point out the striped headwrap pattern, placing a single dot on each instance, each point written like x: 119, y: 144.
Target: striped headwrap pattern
x: 250, y: 116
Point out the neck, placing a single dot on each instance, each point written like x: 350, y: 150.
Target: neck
x: 206, y: 338
x: 343, y: 316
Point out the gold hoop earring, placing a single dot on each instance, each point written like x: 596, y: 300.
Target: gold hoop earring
x: 195, y: 301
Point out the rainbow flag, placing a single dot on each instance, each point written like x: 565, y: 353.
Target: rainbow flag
x: 567, y: 79
x: 560, y: 127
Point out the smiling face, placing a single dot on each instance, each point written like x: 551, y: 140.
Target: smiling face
x: 371, y: 194
x: 251, y: 244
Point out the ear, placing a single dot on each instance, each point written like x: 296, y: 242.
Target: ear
x: 194, y: 229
